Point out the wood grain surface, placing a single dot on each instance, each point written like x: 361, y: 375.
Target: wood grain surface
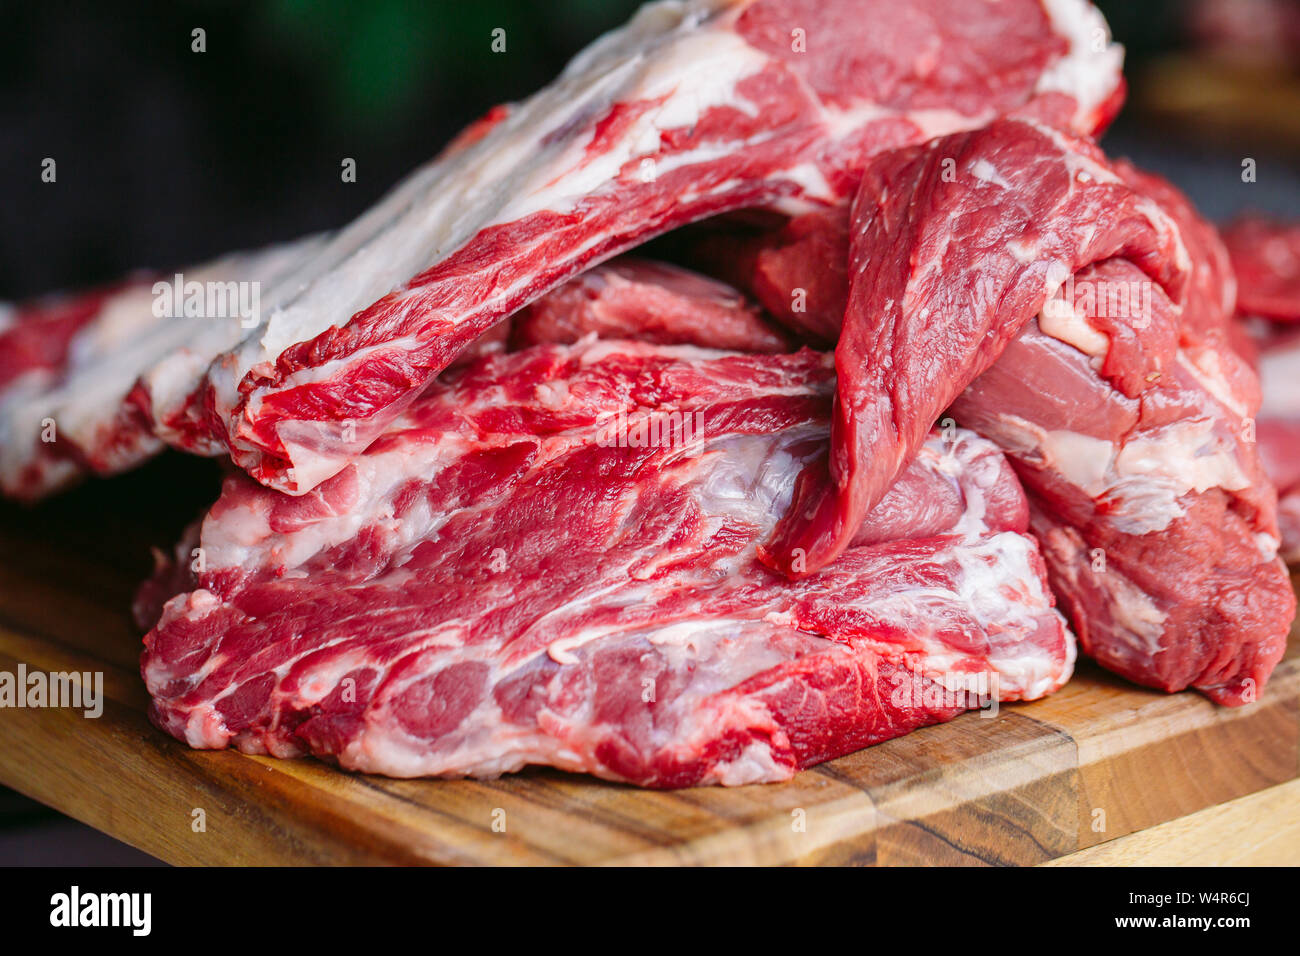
x: 1262, y: 829
x: 1070, y: 778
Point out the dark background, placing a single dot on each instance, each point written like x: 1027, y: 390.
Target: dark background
x: 168, y: 157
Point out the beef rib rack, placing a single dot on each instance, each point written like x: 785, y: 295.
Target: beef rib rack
x: 518, y: 573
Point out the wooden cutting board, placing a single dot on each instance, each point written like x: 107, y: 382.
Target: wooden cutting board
x: 1080, y: 771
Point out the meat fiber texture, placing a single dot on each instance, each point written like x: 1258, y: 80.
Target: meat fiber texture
x: 550, y: 559
x: 690, y: 110
x: 1266, y: 256
x: 992, y: 258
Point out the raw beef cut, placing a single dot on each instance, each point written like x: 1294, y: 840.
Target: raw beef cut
x: 504, y: 494
x: 954, y: 246
x: 36, y: 346
x: 1158, y: 547
x: 1205, y: 315
x: 1130, y: 426
x: 1278, y: 432
x: 68, y: 366
x: 798, y: 270
x: 650, y: 302
x: 1266, y: 256
x: 549, y: 559
x: 691, y: 110
x: 1250, y: 33
x: 1189, y: 594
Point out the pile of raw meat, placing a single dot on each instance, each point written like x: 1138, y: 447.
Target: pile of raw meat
x: 910, y: 365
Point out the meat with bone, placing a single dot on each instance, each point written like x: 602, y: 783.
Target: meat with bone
x: 1130, y: 426
x: 70, y: 365
x: 692, y: 109
x: 518, y: 572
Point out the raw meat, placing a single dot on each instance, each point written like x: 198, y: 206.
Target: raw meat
x: 798, y: 271
x: 511, y: 498
x: 1130, y: 428
x: 1155, y: 521
x: 68, y: 367
x: 650, y: 302
x: 1205, y: 316
x: 1277, y: 427
x: 36, y: 346
x: 954, y: 246
x: 1258, y: 34
x: 519, y: 572
x: 691, y: 110
x: 1266, y: 256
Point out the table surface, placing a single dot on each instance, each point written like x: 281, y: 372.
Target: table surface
x: 1101, y: 772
